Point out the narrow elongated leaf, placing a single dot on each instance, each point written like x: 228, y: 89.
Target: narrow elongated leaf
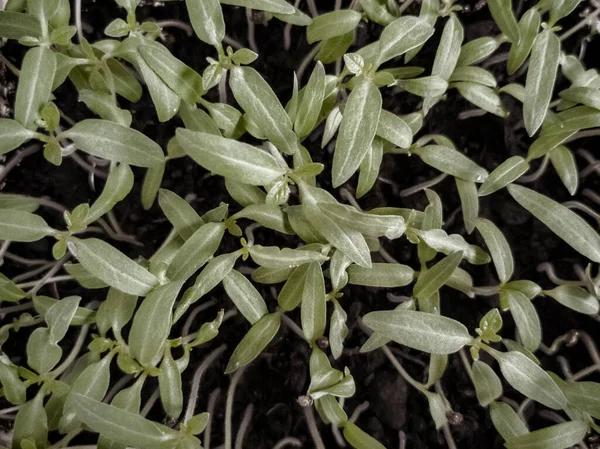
x: 425, y: 86
x: 298, y: 18
x: 506, y: 421
x: 169, y: 383
x: 245, y: 296
x: 482, y: 96
x: 275, y: 257
x: 337, y: 329
x: 13, y: 135
x: 313, y: 306
x: 59, y: 317
x: 448, y: 52
x: 273, y: 6
x: 257, y: 98
x: 196, y: 251
x: 469, y: 201
x: 498, y: 247
x: 429, y: 13
x: 290, y: 295
x: 369, y: 167
x: 357, y: 130
x: 475, y: 75
x: 9, y: 291
x: 529, y: 379
x: 585, y: 396
x: 113, y: 267
x: 359, y: 439
x: 19, y: 202
x: 586, y: 96
x: 230, y: 158
x: 118, y: 184
x: 561, y: 8
x: 449, y: 160
x: 528, y: 29
x: 384, y: 275
x: 182, y: 216
x: 419, y: 330
x: 504, y: 17
x: 183, y: 80
x: 84, y: 277
x: 575, y: 298
x: 510, y: 170
x: 253, y: 343
x: 311, y: 102
x: 21, y: 226
x: 477, y: 50
x: 393, y: 129
x: 152, y: 323
x: 126, y: 85
x: 487, y: 383
x: 526, y: 318
x: 564, y: 163
x: 124, y: 427
x: 15, y: 25
x: 104, y: 104
x: 271, y: 217
x: 115, y: 142
x: 541, y: 75
x: 402, y: 35
x: 207, y: 20
x: 390, y: 226
x: 431, y: 280
x: 332, y: 24
x: 440, y: 241
x: 569, y: 226
x: 35, y: 85
x: 559, y: 436
x: 151, y: 185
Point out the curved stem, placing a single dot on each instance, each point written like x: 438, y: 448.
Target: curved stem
x: 229, y: 407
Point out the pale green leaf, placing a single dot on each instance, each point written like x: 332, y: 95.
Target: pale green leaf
x: 273, y: 6
x: 384, y: 275
x: 207, y: 20
x: 429, y: 12
x: 430, y: 281
x: 291, y: 293
x: 467, y: 191
x: 359, y: 439
x: 452, y: 162
x: 21, y: 226
x: 31, y: 424
x: 487, y: 383
x: 506, y: 421
x: 440, y: 241
x: 182, y: 216
x: 313, y: 305
x: 118, y: 184
x: 507, y: 172
x: 245, y: 296
x: 504, y: 17
x: 393, y: 129
x: 575, y: 298
x: 15, y: 25
x: 151, y: 185
x: 402, y: 35
x: 59, y: 317
x: 116, y: 311
x: 332, y: 24
x: 13, y: 135
x: 564, y: 163
x: 477, y: 50
x: 369, y: 167
x: 585, y: 396
x: 169, y: 384
x: 526, y: 319
x: 104, y: 104
x: 528, y: 29
x: 482, y: 96
x: 425, y: 86
x: 558, y: 436
x: 311, y: 102
x: 498, y: 247
x: 475, y: 75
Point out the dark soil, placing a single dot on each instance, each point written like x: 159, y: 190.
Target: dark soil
x: 273, y: 382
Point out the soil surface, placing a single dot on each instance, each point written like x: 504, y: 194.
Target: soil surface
x: 274, y: 382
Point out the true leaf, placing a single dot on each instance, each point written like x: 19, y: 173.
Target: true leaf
x: 182, y: 216
x: 585, y: 396
x: 19, y: 202
x: 116, y: 311
x: 15, y: 25
x: 575, y: 298
x: 230, y: 158
x: 31, y: 424
x: 337, y: 329
x: 384, y: 275
x: 528, y: 29
x: 390, y: 226
x: 449, y: 160
x: 506, y: 421
x: 311, y: 102
x: 332, y: 24
x: 564, y: 163
x: 21, y: 226
x: 14, y: 389
x: 151, y: 185
x: 118, y: 184
x: 467, y: 191
x: 59, y: 317
x: 369, y: 167
x: 275, y: 257
x: 440, y: 241
x: 313, y: 305
x: 207, y: 20
x: 482, y: 96
x: 104, y: 104
x: 558, y: 436
x: 510, y: 170
x: 477, y: 50
x: 42, y: 354
x: 402, y: 35
x: 487, y: 384
x: 425, y: 86
x: 431, y: 280
x: 526, y: 319
x: 429, y: 13
x: 449, y: 49
x: 570, y: 227
x: 498, y: 247
x: 169, y: 383
x: 359, y: 439
x: 419, y: 330
x: 504, y: 17
x: 13, y: 135
x: 393, y: 129
x: 245, y: 296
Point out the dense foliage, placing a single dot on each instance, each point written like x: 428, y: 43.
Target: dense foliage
x: 258, y: 144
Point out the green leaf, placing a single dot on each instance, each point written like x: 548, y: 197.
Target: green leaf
x: 20, y: 226
x: 313, y: 305
x: 257, y: 98
x: 126, y: 85
x: 510, y: 170
x: 431, y: 280
x: 113, y: 267
x: 182, y: 216
x: 291, y: 293
x: 275, y: 257
x: 196, y: 251
x: 377, y: 12
x: 541, y: 76
x: 452, y: 162
x: 429, y: 12
x: 104, y: 104
x: 440, y: 241
x: 84, y: 277
x: 337, y: 329
x: 477, y: 50
x: 151, y: 185
x: 152, y: 323
x: 506, y: 421
x: 357, y: 130
x: 526, y: 319
x: 271, y: 217
x: 245, y: 296
x: 419, y: 330
x: 564, y: 163
x: 359, y: 439
x: 575, y: 298
x: 487, y: 383
x: 116, y: 311
x: 475, y: 75
x: 197, y: 120
x: 253, y: 343
x: 273, y: 6
x: 585, y: 396
x: 569, y: 226
x: 498, y: 247
x: 297, y: 18
x: 169, y: 383
x: 530, y: 380
x: 15, y: 25
x: 504, y: 17
x: 311, y: 102
x: 13, y: 135
x: 561, y: 8
x: 31, y: 424
x: 402, y: 35
x: 207, y: 20
x: 35, y: 85
x: 528, y: 29
x: 244, y: 194
x: 559, y: 436
x: 14, y: 389
x: 115, y: 142
x: 467, y: 191
x: 59, y: 317
x: 19, y: 202
x: 118, y: 184
x: 42, y: 354
x: 425, y: 86
x: 369, y: 167
x: 332, y: 24
x: 331, y: 50
x: 384, y: 275
x: 123, y: 426
x: 393, y: 129
x: 587, y: 96
x: 512, y: 345
x: 482, y: 96
x: 230, y: 158
x: 390, y: 226
x: 9, y: 291
x: 449, y: 49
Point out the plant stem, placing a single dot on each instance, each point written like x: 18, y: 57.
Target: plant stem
x: 312, y: 427
x: 212, y: 401
x: 229, y: 407
x: 580, y: 25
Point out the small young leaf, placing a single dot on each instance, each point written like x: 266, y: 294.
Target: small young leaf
x: 313, y: 305
x: 498, y: 247
x: 115, y: 142
x: 431, y: 280
x: 570, y: 227
x: 575, y: 298
x: 230, y: 158
x: 152, y: 323
x: 253, y: 343
x: 564, y: 163
x: 504, y: 17
x: 357, y: 130
x: 506, y: 421
x: 559, y: 436
x: 419, y: 330
x: 384, y: 275
x: 245, y: 296
x: 21, y: 226
x: 452, y: 162
x: 113, y: 267
x: 528, y: 29
x: 311, y: 102
x: 207, y: 20
x: 169, y: 383
x: 332, y: 24
x: 402, y: 35
x: 541, y: 75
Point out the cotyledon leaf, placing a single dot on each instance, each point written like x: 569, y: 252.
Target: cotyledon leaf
x: 332, y: 24
x: 402, y: 35
x: 21, y: 226
x: 206, y: 17
x: 13, y: 135
x: 558, y: 436
x: 273, y: 6
x: 498, y: 247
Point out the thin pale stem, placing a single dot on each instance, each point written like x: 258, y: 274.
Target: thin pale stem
x: 548, y: 268
x: 288, y: 441
x: 358, y: 411
x: 13, y: 68
x: 78, y: 20
x: 241, y: 433
x: 422, y: 186
x: 312, y: 427
x: 229, y: 407
x: 212, y: 402
x: 16, y: 160
x: 177, y: 24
